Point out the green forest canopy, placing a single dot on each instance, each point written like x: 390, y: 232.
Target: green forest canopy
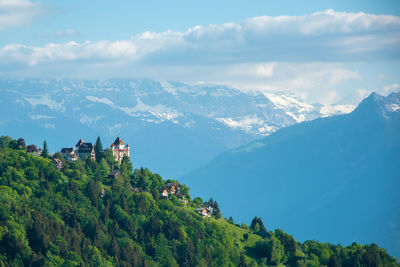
x: 80, y: 216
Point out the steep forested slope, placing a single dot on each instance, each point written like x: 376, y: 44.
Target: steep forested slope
x: 80, y: 216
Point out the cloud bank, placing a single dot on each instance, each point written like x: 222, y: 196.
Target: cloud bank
x: 14, y: 13
x: 250, y: 53
x: 321, y: 36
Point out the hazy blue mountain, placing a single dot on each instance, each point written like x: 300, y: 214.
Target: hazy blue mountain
x: 171, y: 127
x: 332, y: 179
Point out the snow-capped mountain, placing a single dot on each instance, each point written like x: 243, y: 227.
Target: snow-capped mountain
x: 159, y: 119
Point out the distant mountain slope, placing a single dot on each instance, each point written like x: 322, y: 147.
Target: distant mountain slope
x: 173, y: 126
x: 334, y: 179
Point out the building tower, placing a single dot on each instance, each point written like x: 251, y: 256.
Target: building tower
x: 85, y: 150
x: 119, y: 150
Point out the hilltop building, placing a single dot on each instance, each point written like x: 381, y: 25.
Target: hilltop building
x: 119, y: 149
x: 69, y: 154
x: 84, y: 150
x: 88, y: 150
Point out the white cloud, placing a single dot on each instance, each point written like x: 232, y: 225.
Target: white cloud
x: 14, y: 13
x: 265, y: 70
x: 322, y: 36
x: 385, y: 90
x: 306, y: 54
x: 390, y: 88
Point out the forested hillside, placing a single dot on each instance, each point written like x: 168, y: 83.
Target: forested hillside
x: 81, y: 216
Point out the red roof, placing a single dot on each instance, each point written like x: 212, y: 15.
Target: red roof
x: 118, y: 141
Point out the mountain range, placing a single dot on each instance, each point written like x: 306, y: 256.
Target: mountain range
x: 333, y: 179
x: 171, y: 127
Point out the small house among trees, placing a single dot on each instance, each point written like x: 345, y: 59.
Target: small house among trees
x: 171, y: 189
x: 203, y: 212
x: 164, y: 192
x: 209, y: 208
x: 69, y: 154
x: 57, y: 163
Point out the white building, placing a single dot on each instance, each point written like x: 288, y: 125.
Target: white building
x: 119, y: 150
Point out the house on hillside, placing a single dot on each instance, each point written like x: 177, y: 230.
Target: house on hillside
x: 85, y: 150
x: 69, y: 154
x: 58, y: 164
x: 171, y: 189
x: 203, y: 212
x: 119, y: 150
x: 164, y: 192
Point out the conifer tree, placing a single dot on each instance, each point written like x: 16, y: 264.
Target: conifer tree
x: 126, y: 166
x: 21, y: 142
x: 99, y: 149
x: 45, y: 153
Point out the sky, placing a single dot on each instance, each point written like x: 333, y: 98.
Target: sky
x: 332, y: 52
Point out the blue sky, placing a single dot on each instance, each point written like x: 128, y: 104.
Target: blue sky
x: 326, y: 51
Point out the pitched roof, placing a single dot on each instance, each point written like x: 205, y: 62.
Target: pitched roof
x: 80, y: 142
x: 67, y: 150
x: 118, y: 141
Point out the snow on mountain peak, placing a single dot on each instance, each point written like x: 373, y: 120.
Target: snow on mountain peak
x: 336, y: 109
x: 252, y: 113
x: 46, y: 101
x: 100, y: 100
x: 160, y: 111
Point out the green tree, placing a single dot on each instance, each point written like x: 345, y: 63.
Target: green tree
x: 275, y: 251
x: 287, y: 241
x: 21, y: 143
x: 271, y: 249
x: 242, y: 260
x: 102, y: 168
x: 109, y: 157
x: 5, y: 141
x: 45, y: 153
x: 99, y: 149
x: 256, y: 220
x: 334, y: 261
x: 126, y: 166
x: 197, y: 201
